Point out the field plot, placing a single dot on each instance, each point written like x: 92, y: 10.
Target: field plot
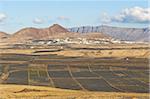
x: 66, y: 83
x: 19, y: 77
x: 99, y: 74
x: 38, y: 75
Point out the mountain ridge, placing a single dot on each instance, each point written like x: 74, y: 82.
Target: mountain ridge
x: 121, y: 33
x: 57, y: 31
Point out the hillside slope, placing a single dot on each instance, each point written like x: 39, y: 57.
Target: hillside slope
x: 130, y: 34
x: 3, y: 35
x: 35, y: 33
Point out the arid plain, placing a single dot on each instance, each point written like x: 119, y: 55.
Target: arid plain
x: 66, y: 66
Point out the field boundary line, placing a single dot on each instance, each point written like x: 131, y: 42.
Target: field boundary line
x: 101, y: 77
x: 76, y: 78
x: 51, y: 81
x: 78, y: 83
x: 28, y: 76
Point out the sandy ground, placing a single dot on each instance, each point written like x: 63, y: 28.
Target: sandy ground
x: 139, y: 53
x: 36, y: 92
x: 140, y: 50
x: 142, y: 53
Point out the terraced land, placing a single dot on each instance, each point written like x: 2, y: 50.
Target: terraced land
x: 78, y: 73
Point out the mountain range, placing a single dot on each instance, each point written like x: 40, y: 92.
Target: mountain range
x: 128, y: 34
x: 54, y: 31
x: 89, y: 32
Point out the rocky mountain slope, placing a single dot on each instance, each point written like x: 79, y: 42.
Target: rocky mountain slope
x: 129, y: 34
x: 94, y: 35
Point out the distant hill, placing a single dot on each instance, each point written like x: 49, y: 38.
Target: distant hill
x: 89, y: 32
x: 54, y: 31
x: 129, y: 34
x: 3, y: 35
x: 35, y: 33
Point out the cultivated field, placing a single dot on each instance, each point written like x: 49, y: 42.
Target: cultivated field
x: 93, y: 72
x: 90, y: 74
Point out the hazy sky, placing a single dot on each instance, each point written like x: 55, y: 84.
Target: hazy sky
x: 15, y: 15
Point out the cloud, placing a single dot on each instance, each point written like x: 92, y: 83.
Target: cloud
x: 135, y: 15
x: 2, y: 17
x: 105, y: 18
x: 63, y: 18
x: 38, y: 21
x: 131, y: 15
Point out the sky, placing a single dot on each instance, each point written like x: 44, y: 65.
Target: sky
x: 15, y: 14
